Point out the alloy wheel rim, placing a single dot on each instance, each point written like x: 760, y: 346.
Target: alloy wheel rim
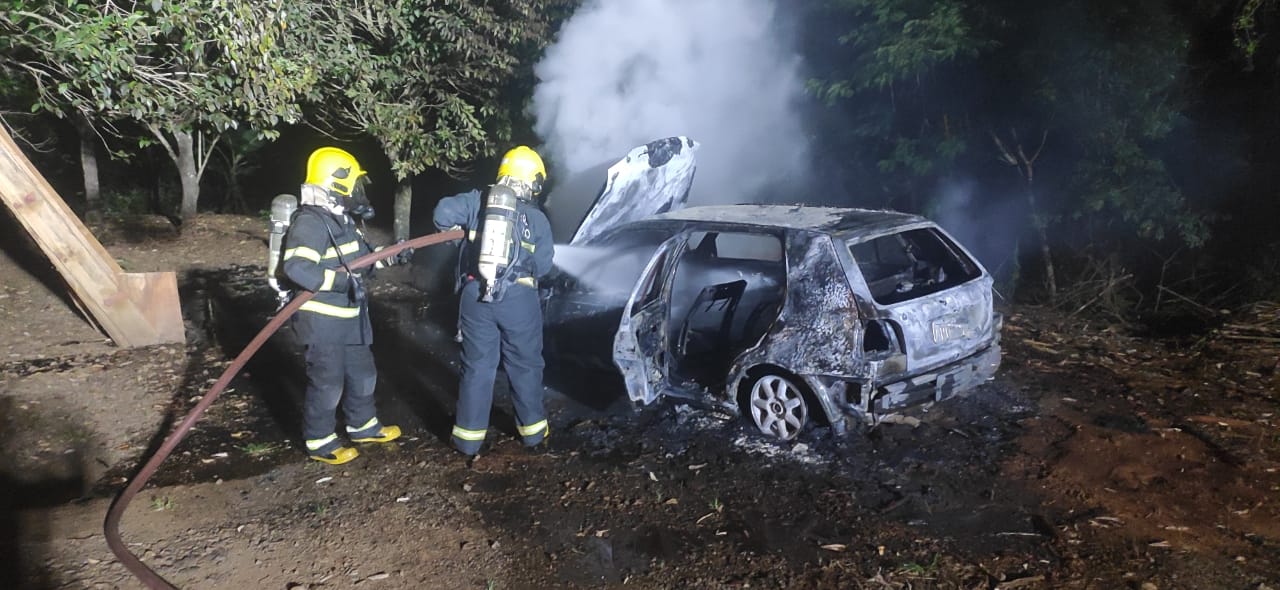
x: 778, y: 407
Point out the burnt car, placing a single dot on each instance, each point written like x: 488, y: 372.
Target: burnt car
x: 782, y: 313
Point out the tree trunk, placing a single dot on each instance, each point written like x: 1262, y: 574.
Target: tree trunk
x: 187, y: 173
x: 403, y: 207
x: 1051, y: 282
x: 235, y: 192
x: 1015, y: 155
x: 235, y: 200
x: 89, y: 165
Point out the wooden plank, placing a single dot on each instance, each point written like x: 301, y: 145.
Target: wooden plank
x: 156, y: 295
x: 135, y: 310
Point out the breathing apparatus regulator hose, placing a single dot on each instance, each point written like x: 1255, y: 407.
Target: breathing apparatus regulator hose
x: 111, y: 527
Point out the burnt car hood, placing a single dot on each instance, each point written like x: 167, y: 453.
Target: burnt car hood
x: 651, y: 179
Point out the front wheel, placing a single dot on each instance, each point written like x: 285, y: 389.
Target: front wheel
x: 776, y: 405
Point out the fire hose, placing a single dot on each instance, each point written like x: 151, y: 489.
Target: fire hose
x: 111, y: 528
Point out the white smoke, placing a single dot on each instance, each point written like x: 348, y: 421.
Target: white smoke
x: 988, y: 226
x: 626, y: 72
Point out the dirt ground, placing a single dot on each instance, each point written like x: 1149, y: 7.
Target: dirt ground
x: 1103, y: 456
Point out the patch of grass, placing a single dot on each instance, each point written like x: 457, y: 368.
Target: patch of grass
x: 159, y: 503
x: 716, y: 505
x: 918, y: 570
x: 258, y: 449
x: 318, y: 508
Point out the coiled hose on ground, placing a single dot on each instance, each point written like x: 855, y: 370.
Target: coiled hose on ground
x: 111, y: 528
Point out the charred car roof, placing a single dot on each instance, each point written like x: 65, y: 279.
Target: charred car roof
x: 825, y: 219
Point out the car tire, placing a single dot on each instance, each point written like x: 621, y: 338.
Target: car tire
x: 777, y: 405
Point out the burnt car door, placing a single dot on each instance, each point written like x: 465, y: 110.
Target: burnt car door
x: 640, y: 346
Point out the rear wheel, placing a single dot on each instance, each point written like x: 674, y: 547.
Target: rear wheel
x: 777, y: 406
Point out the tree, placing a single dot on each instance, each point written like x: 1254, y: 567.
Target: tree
x: 425, y: 78
x: 185, y: 71
x: 228, y: 51
x: 1249, y: 23
x: 68, y: 55
x: 1080, y: 99
x: 233, y: 162
x: 891, y: 68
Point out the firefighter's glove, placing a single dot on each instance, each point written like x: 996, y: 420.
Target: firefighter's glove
x: 355, y: 289
x: 404, y: 256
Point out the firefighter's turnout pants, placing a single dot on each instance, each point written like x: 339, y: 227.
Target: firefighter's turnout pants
x: 331, y: 370
x: 509, y: 331
x: 334, y: 325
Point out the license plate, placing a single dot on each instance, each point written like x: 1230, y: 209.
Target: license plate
x: 951, y: 328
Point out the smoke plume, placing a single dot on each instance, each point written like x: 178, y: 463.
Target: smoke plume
x: 987, y: 227
x: 624, y: 73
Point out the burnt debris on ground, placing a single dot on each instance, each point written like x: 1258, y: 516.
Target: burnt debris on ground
x: 1095, y: 459
x: 660, y: 493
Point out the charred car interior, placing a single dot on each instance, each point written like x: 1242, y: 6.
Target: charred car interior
x: 726, y: 290
x: 785, y: 314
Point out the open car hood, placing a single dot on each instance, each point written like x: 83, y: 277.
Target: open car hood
x: 651, y: 179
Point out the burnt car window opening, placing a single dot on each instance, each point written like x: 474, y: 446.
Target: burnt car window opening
x: 737, y: 246
x: 911, y: 264
x: 877, y: 338
x: 727, y: 289
x: 651, y: 290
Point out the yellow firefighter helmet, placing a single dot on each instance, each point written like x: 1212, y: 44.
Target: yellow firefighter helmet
x: 523, y: 165
x: 334, y: 170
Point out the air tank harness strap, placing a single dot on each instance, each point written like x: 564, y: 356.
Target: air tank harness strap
x: 526, y: 280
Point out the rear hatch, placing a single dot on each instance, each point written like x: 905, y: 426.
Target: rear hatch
x: 937, y: 296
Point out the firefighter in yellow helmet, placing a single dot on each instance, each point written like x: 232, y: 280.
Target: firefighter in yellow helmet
x: 507, y: 249
x: 321, y: 242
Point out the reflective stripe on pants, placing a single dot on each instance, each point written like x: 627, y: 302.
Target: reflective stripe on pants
x: 533, y: 433
x: 319, y: 443
x: 465, y: 434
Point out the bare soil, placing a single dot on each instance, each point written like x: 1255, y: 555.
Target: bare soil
x: 1100, y: 457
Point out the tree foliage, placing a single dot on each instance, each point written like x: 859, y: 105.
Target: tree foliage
x: 425, y: 78
x: 889, y: 70
x: 1248, y: 24
x: 422, y: 77
x: 1115, y: 84
x: 184, y: 71
x: 1099, y: 84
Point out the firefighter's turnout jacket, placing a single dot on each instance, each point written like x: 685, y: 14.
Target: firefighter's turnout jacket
x: 533, y: 261
x: 318, y: 245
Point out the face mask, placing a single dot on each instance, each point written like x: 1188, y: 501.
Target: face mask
x: 359, y: 200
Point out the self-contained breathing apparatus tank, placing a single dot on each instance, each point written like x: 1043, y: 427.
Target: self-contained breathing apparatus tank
x: 282, y: 210
x: 497, y: 240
